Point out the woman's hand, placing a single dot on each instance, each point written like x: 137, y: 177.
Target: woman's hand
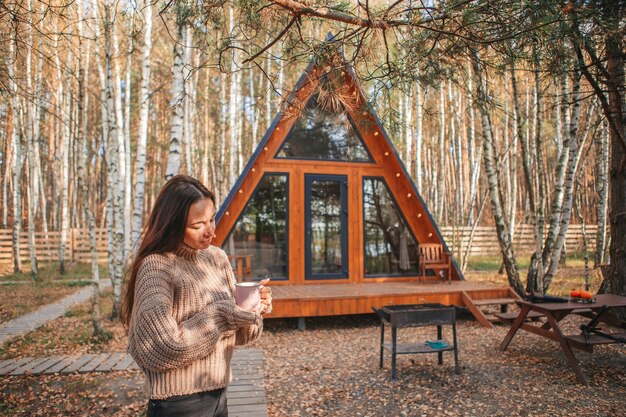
x: 266, y: 297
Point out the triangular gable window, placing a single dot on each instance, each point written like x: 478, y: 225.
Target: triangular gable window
x: 323, y: 134
x: 390, y: 248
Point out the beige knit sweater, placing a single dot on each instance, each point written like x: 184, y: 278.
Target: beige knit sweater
x: 185, y: 324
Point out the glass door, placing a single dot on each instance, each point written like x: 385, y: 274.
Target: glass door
x: 326, y: 217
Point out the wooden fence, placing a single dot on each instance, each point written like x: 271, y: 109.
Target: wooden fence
x: 485, y: 242
x: 76, y: 250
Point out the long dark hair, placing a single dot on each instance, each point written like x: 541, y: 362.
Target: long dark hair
x: 165, y: 229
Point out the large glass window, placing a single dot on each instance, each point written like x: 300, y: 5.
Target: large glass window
x: 323, y: 134
x: 259, y: 239
x: 390, y: 248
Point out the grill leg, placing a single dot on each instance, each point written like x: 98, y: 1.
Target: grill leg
x: 393, y: 352
x: 382, y: 340
x: 456, y: 350
x: 439, y: 337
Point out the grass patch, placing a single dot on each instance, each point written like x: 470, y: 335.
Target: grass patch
x: 71, y: 334
x: 79, y: 283
x: 20, y: 298
x: 572, y: 275
x: 493, y: 263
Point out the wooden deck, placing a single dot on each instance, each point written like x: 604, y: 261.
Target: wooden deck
x: 336, y: 299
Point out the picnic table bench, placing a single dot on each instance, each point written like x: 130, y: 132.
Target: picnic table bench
x: 554, y: 312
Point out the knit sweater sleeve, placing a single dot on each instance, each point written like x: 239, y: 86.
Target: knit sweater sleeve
x: 248, y: 334
x: 245, y: 334
x: 156, y: 340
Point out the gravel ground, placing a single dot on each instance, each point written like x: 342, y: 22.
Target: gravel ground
x: 331, y: 369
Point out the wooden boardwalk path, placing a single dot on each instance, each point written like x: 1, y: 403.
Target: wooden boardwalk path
x: 246, y: 393
x: 35, y: 319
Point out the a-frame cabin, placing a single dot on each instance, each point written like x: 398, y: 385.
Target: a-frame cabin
x: 326, y: 208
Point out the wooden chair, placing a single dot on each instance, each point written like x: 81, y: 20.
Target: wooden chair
x: 432, y: 256
x: 242, y: 266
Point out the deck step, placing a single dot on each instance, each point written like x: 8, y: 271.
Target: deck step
x: 510, y: 316
x: 491, y: 317
x: 493, y: 301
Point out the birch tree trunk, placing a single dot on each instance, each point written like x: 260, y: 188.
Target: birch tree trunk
x: 408, y: 129
x: 602, y: 190
x: 177, y: 100
x: 38, y: 179
x: 128, y: 200
x: 559, y: 191
x: 115, y: 183
x: 268, y: 90
x: 16, y: 138
x: 188, y: 102
x: 255, y: 108
x: 81, y: 173
x: 419, y: 136
x: 7, y: 164
x: 222, y: 181
x: 66, y: 119
x: 144, y: 108
x: 504, y: 239
x: 441, y: 187
x: 475, y: 152
x: 568, y: 184
x: 107, y: 211
x: 534, y: 281
x: 32, y: 116
x: 234, y: 107
x: 456, y: 122
x: 119, y: 115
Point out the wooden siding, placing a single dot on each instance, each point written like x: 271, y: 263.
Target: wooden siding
x: 336, y: 299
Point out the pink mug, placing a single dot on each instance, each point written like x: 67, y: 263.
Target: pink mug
x: 247, y: 295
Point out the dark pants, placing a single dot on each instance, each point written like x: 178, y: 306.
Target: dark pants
x: 201, y: 404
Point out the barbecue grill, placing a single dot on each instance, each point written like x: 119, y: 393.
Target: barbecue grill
x: 417, y: 315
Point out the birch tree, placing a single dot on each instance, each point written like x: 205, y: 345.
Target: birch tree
x: 117, y: 221
x: 16, y: 139
x: 504, y: 239
x: 65, y: 105
x: 81, y: 170
x: 177, y: 94
x: 144, y: 108
x: 602, y: 183
x: 32, y: 120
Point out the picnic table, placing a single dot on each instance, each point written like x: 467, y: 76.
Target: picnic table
x: 554, y: 312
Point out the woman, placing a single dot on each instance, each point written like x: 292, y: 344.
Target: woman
x: 179, y: 306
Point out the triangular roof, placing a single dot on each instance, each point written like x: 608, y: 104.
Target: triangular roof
x: 373, y: 135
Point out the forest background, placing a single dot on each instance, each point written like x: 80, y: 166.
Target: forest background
x: 504, y: 112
